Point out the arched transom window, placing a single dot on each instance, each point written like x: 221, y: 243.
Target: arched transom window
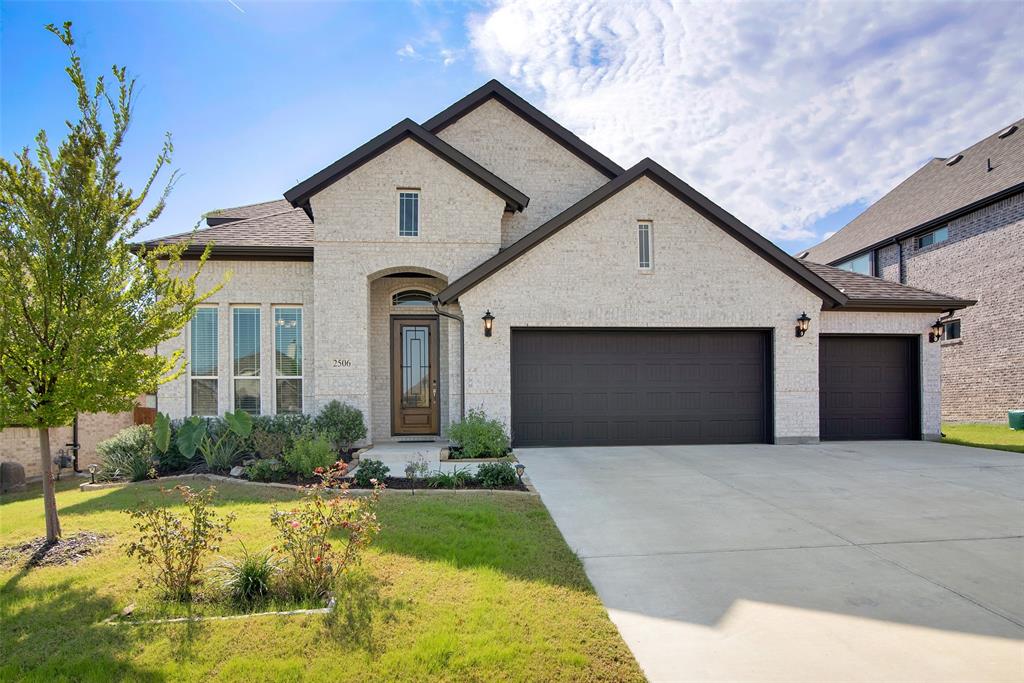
x: 411, y: 297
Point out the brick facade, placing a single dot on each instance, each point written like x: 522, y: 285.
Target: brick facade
x: 20, y: 444
x: 983, y: 259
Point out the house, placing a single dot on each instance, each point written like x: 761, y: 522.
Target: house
x: 489, y: 258
x: 956, y: 226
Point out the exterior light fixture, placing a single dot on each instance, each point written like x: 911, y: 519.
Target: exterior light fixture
x: 488, y: 323
x: 936, y: 331
x: 802, y: 323
x: 520, y: 468
x: 92, y: 473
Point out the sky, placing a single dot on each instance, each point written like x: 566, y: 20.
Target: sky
x: 794, y: 116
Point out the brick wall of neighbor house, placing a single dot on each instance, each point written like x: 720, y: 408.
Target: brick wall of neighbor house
x: 586, y: 275
x: 357, y: 241
x: 520, y: 154
x: 265, y: 283
x: 983, y: 259
x: 853, y: 322
x: 20, y: 444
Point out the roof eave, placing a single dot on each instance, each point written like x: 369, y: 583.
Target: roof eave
x: 907, y: 305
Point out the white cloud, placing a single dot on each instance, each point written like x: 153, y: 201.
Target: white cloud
x: 781, y: 112
x: 407, y: 52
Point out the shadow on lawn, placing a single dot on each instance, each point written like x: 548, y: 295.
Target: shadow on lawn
x: 129, y: 497
x: 52, y: 633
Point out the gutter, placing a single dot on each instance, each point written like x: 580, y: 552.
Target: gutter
x: 462, y: 352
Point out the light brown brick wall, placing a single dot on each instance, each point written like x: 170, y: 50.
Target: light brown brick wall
x: 21, y: 444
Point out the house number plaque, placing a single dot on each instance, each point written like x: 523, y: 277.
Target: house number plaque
x: 341, y: 363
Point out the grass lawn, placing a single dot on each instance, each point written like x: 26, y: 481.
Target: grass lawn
x: 998, y: 436
x: 467, y: 587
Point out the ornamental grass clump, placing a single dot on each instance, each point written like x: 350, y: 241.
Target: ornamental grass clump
x: 313, y: 565
x: 249, y: 578
x: 175, y: 545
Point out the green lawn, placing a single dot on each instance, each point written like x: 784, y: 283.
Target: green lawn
x: 475, y: 587
x: 998, y: 436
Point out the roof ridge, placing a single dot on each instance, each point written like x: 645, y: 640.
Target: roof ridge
x: 240, y: 206
x: 531, y: 114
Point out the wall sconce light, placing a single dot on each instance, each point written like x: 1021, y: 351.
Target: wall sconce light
x: 802, y: 323
x: 937, y: 329
x: 488, y: 323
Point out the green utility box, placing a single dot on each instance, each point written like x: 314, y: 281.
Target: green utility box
x: 1016, y: 419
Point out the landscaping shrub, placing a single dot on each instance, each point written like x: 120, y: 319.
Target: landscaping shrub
x: 247, y: 579
x: 457, y: 478
x: 341, y: 423
x: 313, y: 563
x: 370, y: 469
x: 174, y: 545
x: 493, y: 474
x: 479, y: 437
x: 171, y: 460
x: 310, y: 451
x: 272, y: 435
x: 267, y: 469
x: 127, y: 455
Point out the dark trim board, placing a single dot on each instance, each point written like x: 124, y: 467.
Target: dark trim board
x: 627, y: 386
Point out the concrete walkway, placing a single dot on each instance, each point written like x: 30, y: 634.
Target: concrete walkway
x: 891, y: 561
x: 396, y: 455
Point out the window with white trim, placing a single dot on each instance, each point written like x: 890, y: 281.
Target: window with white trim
x: 203, y: 361
x: 933, y: 237
x: 288, y: 359
x: 245, y: 358
x: 408, y: 213
x: 643, y: 240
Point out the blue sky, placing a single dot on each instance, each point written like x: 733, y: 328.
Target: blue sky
x: 794, y: 116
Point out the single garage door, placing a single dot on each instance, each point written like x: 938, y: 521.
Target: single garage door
x: 869, y: 388
x: 575, y: 387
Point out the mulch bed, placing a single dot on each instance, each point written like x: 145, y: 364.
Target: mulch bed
x: 39, y: 553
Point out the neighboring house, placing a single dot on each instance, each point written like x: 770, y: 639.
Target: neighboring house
x: 956, y: 226
x: 601, y: 305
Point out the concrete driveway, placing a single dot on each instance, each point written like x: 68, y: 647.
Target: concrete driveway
x: 882, y: 561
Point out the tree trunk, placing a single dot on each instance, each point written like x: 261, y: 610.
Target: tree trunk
x: 49, y: 499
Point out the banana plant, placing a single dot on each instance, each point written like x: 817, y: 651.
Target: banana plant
x: 193, y: 435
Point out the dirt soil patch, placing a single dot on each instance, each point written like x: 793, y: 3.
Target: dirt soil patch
x: 39, y: 553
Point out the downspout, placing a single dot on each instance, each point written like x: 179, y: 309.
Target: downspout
x: 899, y: 244
x: 462, y: 353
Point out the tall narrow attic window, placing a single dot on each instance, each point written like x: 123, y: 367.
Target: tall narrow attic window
x: 408, y: 213
x: 643, y: 236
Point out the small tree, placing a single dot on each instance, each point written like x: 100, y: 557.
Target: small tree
x: 81, y: 310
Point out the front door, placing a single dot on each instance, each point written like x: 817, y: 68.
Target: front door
x: 414, y: 390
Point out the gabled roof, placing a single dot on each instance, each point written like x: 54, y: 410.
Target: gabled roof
x: 871, y: 293
x: 299, y: 195
x: 495, y: 90
x: 237, y: 213
x: 647, y: 168
x: 283, y: 235
x: 938, y: 192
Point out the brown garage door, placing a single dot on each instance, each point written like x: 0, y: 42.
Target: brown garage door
x: 631, y: 387
x: 869, y: 388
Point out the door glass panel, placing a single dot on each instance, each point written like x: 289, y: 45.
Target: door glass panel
x: 415, y: 366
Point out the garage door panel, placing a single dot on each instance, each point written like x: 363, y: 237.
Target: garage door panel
x: 638, y: 387
x: 868, y: 387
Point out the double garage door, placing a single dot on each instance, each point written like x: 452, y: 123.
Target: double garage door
x: 574, y: 387
x: 632, y: 387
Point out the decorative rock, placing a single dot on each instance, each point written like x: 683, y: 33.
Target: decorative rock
x: 12, y: 477
x: 237, y: 471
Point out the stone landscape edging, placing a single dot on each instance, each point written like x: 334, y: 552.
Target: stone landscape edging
x: 113, y: 619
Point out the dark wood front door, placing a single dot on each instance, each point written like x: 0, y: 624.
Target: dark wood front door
x: 414, y: 390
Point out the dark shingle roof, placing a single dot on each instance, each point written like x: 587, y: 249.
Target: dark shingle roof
x: 284, y: 234
x: 238, y: 213
x: 932, y: 193
x: 865, y: 291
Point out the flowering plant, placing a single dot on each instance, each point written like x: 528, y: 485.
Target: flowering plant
x: 174, y: 545
x: 313, y: 563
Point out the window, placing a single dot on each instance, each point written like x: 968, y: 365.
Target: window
x: 934, y: 237
x: 245, y: 335
x: 951, y: 330
x: 863, y: 264
x: 411, y: 297
x: 643, y: 235
x: 288, y: 359
x: 408, y: 213
x: 203, y: 361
